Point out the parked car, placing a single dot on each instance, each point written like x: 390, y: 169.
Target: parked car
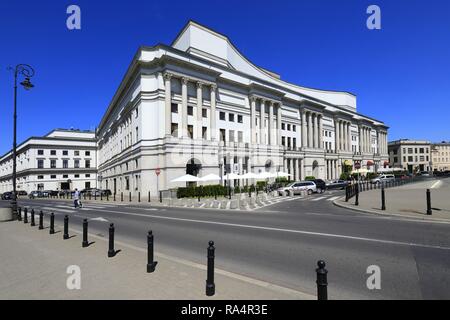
x: 22, y: 193
x: 424, y: 173
x: 7, y: 195
x: 337, y: 184
x: 35, y: 194
x: 321, y: 185
x: 298, y: 187
x: 383, y: 178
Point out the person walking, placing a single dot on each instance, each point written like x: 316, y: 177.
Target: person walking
x: 76, y: 198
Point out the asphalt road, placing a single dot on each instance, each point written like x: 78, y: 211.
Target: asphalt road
x: 281, y: 243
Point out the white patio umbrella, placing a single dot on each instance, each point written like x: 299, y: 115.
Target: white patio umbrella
x: 232, y: 176
x: 249, y: 175
x: 362, y: 170
x: 266, y: 175
x: 186, y: 178
x: 283, y: 174
x: 210, y: 177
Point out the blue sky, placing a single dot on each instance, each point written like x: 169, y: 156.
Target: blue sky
x: 400, y: 74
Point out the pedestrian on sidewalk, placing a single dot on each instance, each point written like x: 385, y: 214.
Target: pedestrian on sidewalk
x: 76, y: 199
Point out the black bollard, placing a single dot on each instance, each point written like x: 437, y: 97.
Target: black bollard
x: 322, y: 292
x: 111, y: 251
x: 19, y: 216
x: 429, y: 211
x: 52, y: 223
x: 357, y: 197
x: 85, y: 242
x: 114, y: 197
x: 210, y: 286
x: 383, y: 199
x: 66, y: 227
x: 90, y: 196
x: 107, y: 197
x: 150, y: 263
x: 139, y: 196
x: 101, y: 196
x: 347, y: 193
x: 32, y: 218
x: 149, y: 196
x: 129, y: 196
x: 41, y: 220
x: 160, y: 196
x: 121, y: 196
x: 25, y: 215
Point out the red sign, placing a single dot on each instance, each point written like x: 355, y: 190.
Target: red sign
x: 157, y: 171
x: 357, y: 165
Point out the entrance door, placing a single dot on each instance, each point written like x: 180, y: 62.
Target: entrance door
x: 87, y: 185
x: 65, y: 186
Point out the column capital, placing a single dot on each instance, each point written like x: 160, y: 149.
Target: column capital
x: 184, y: 80
x: 252, y: 99
x: 213, y: 87
x: 167, y: 75
x: 200, y: 84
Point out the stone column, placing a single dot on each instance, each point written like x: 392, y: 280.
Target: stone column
x: 304, y: 133
x: 168, y: 104
x: 336, y: 135
x: 341, y: 135
x: 262, y: 125
x: 302, y: 169
x: 253, y: 120
x: 199, y: 111
x: 291, y: 166
x: 316, y: 131
x: 369, y: 138
x: 320, y: 132
x: 349, y: 135
x: 271, y: 131
x: 279, y: 125
x: 184, y: 101
x: 310, y: 133
x: 213, y: 127
x: 344, y: 135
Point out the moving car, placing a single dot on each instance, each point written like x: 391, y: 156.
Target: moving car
x: 35, y: 194
x: 298, y: 187
x: 321, y: 185
x: 383, y: 179
x: 7, y: 195
x: 337, y: 184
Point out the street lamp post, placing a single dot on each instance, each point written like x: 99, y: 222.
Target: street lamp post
x: 27, y: 71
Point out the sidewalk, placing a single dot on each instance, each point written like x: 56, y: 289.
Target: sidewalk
x: 33, y: 266
x: 407, y: 201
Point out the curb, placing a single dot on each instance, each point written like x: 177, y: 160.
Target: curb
x: 388, y: 214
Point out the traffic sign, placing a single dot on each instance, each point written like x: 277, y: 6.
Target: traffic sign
x: 357, y: 165
x: 158, y: 171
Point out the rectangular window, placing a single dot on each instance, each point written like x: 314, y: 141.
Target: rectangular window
x: 53, y: 152
x: 40, y: 164
x: 76, y: 176
x: 137, y: 113
x: 87, y: 163
x: 65, y: 152
x: 222, y: 115
x: 289, y: 142
x: 190, y: 129
x: 283, y: 127
x: 421, y: 150
x: 231, y: 133
x: 174, y: 107
x: 190, y: 110
x: 40, y: 177
x: 65, y: 164
x: 204, y: 113
x: 65, y: 176
x: 40, y: 152
x: 289, y: 127
x: 294, y: 143
x: 76, y: 153
x: 137, y: 133
x: 76, y: 163
x: 222, y: 135
x: 87, y: 153
x: 294, y: 128
x: 410, y: 150
x: 87, y: 175
x: 240, y: 136
x: 283, y: 141
x: 53, y: 176
x: 231, y: 117
x: 240, y: 118
x: 204, y: 132
x: 53, y: 164
x: 174, y: 129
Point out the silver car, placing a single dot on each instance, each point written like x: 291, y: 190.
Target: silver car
x: 383, y: 179
x: 297, y: 187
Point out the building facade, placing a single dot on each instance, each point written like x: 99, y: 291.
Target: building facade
x: 440, y: 155
x: 199, y: 106
x: 61, y: 160
x: 412, y: 155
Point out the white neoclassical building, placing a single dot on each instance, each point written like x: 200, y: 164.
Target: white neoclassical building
x: 61, y: 160
x: 199, y: 106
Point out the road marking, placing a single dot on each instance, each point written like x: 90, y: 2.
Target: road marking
x: 437, y: 184
x: 317, y: 199
x: 329, y: 235
x: 333, y: 198
x: 52, y: 209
